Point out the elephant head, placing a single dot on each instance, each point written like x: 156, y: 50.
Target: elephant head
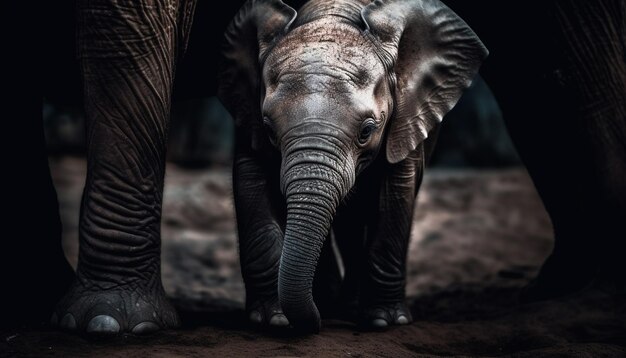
x: 328, y: 92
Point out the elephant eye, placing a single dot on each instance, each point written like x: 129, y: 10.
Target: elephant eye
x: 368, y: 127
x: 269, y: 128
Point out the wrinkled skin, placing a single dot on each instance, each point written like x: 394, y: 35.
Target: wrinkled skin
x: 345, y: 107
x: 127, y: 67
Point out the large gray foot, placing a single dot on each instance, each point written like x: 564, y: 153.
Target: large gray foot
x: 383, y: 316
x: 267, y: 313
x: 125, y: 309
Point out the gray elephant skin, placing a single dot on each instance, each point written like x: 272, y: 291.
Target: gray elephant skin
x: 333, y: 106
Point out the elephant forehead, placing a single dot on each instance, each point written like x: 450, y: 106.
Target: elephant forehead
x: 323, y: 54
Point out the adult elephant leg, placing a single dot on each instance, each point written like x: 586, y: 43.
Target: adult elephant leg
x: 127, y: 52
x: 593, y: 47
x: 526, y: 79
x: 383, y: 292
x: 548, y: 120
x: 550, y: 145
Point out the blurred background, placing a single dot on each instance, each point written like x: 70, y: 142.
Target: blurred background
x: 473, y: 134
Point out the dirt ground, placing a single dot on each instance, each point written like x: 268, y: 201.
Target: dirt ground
x: 478, y: 237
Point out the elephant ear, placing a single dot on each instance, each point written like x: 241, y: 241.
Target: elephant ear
x: 435, y: 56
x: 248, y: 38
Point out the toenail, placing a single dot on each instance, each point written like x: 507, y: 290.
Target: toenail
x: 255, y: 316
x: 402, y: 320
x: 145, y: 328
x: 103, y: 324
x: 68, y: 321
x: 279, y: 320
x: 379, y: 323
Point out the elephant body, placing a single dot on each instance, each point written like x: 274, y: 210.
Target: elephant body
x: 332, y: 105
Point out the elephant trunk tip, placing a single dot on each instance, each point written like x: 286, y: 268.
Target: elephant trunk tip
x: 295, y: 292
x: 304, y: 319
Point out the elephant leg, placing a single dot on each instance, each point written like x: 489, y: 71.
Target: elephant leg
x: 571, y: 138
x: 349, y: 234
x: 557, y: 170
x: 260, y: 234
x: 550, y: 146
x: 127, y: 53
x: 338, y: 297
x: 383, y: 292
x: 592, y: 38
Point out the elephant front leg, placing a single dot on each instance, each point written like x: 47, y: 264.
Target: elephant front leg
x: 260, y: 238
x: 383, y: 293
x: 127, y: 61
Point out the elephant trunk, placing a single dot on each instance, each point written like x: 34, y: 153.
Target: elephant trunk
x: 314, y: 184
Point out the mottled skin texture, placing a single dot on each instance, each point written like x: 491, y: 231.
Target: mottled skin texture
x: 348, y: 93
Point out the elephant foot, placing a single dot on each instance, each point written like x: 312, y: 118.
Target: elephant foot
x: 380, y: 317
x: 264, y: 313
x: 107, y: 312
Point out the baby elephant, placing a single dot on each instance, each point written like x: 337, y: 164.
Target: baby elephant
x: 332, y: 105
